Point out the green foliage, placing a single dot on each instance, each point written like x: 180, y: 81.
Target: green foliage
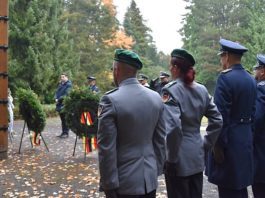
x: 209, y: 20
x: 91, y: 24
x: 40, y: 48
x: 134, y: 26
x: 78, y: 101
x: 48, y: 37
x: 31, y: 110
x: 255, y: 31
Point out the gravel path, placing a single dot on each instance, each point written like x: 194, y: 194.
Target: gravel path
x: 38, y: 173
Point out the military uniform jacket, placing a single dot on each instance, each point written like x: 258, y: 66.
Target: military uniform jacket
x: 235, y: 96
x: 184, y: 108
x: 159, y: 87
x: 259, y: 134
x: 131, y: 139
x: 94, y: 88
x: 62, y: 90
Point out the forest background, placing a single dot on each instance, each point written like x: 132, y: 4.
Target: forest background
x: 48, y: 37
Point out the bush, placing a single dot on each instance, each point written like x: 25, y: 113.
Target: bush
x: 78, y: 101
x: 31, y: 110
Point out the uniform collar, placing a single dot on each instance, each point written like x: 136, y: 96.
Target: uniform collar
x: 129, y: 81
x: 237, y: 66
x: 262, y: 82
x: 178, y: 80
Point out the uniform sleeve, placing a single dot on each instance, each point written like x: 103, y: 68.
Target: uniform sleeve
x: 107, y: 154
x: 159, y: 142
x: 259, y: 119
x: 172, y: 115
x: 223, y: 101
x: 68, y: 88
x: 66, y: 91
x: 215, y: 123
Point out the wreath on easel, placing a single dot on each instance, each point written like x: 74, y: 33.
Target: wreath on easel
x: 33, y: 114
x: 80, y: 108
x: 31, y: 110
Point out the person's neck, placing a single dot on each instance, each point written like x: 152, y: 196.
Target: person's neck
x: 124, y: 78
x: 261, y: 79
x: 233, y: 63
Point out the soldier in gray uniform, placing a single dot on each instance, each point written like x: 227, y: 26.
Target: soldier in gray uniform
x: 186, y: 102
x: 131, y: 133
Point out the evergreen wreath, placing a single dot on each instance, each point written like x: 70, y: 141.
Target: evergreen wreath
x: 78, y: 101
x: 31, y: 110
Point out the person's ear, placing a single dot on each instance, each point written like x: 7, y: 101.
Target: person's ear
x: 262, y: 72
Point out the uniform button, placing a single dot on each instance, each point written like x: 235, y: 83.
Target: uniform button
x: 241, y: 120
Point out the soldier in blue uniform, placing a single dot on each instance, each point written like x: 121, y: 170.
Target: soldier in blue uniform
x: 230, y: 165
x: 258, y: 186
x: 92, y: 84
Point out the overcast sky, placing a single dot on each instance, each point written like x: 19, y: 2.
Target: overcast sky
x: 162, y: 16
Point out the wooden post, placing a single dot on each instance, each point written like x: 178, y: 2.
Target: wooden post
x: 3, y: 78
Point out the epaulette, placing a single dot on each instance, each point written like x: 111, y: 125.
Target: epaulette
x: 108, y: 92
x: 170, y: 84
x: 199, y: 83
x: 226, y: 70
x: 262, y: 83
x: 248, y: 71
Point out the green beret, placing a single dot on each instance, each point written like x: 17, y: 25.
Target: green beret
x: 182, y: 53
x: 129, y: 57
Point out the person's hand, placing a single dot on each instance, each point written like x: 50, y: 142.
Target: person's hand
x: 218, y: 154
x: 111, y: 193
x: 170, y: 168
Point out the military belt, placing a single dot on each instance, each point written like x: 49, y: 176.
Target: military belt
x: 243, y: 120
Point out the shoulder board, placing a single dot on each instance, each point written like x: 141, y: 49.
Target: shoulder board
x: 108, y: 92
x: 226, y: 71
x: 248, y: 71
x: 199, y: 83
x: 170, y: 84
x: 262, y: 83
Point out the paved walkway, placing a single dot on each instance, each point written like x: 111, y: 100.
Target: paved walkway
x: 38, y: 173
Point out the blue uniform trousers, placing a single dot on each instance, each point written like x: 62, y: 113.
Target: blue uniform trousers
x: 232, y: 193
x: 258, y: 190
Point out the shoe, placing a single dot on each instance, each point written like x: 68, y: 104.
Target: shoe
x: 64, y: 135
x: 59, y: 135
